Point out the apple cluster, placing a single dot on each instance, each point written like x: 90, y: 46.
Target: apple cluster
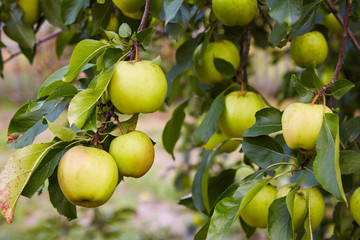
x: 88, y: 176
x: 306, y: 202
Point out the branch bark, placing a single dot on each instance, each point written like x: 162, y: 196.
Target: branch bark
x: 340, y: 61
x: 336, y: 13
x: 265, y: 16
x: 241, y: 72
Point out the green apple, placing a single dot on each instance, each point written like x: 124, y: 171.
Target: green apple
x: 239, y: 113
x: 136, y: 15
x: 235, y: 12
x: 129, y: 6
x: 301, y: 205
x: 218, y: 138
x: 255, y: 214
x: 301, y: 124
x: 332, y: 24
x: 87, y: 176
x: 137, y: 87
x: 355, y: 205
x: 311, y: 46
x: 204, y: 65
x: 133, y: 153
x: 156, y: 6
x: 327, y: 75
x: 113, y: 24
x: 31, y: 9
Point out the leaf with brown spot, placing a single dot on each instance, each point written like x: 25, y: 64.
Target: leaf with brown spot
x: 16, y: 173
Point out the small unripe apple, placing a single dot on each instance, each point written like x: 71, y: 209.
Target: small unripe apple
x: 355, y: 205
x: 301, y: 124
x: 317, y: 205
x: 235, y: 12
x: 218, y: 138
x: 204, y: 65
x: 113, y: 24
x: 31, y: 9
x: 134, y: 154
x: 332, y: 24
x: 311, y: 46
x: 129, y: 6
x: 137, y: 87
x: 239, y: 113
x: 255, y: 214
x: 87, y: 176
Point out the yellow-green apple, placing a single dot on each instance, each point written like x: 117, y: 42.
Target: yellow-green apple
x: 137, y: 87
x: 235, y: 12
x: 204, y: 65
x: 255, y: 214
x: 135, y: 15
x: 301, y: 205
x: 113, y: 24
x: 87, y: 176
x: 311, y: 46
x: 332, y: 24
x: 129, y: 6
x: 239, y: 113
x: 31, y: 9
x: 327, y: 75
x: 218, y: 138
x: 355, y: 205
x: 134, y: 153
x: 301, y: 124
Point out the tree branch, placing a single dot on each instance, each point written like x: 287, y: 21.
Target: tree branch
x: 265, y: 16
x: 340, y: 61
x: 135, y: 45
x: 336, y: 13
x: 241, y: 72
x: 51, y: 36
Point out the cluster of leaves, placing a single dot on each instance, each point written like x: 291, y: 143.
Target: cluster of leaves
x: 215, y: 191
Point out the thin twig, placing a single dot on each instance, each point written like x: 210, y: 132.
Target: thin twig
x: 140, y: 28
x: 340, y: 61
x: 265, y: 16
x: 355, y: 227
x: 242, y: 73
x: 105, y: 124
x: 336, y: 13
x: 51, y: 36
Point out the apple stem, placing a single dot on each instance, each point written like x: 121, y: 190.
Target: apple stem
x: 118, y: 123
x: 315, y: 99
x: 136, y: 53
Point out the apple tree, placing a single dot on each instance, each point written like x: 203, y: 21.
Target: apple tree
x: 297, y: 151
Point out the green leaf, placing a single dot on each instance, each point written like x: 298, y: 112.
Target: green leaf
x: 341, y: 87
x: 268, y: 120
x: 207, y: 127
x: 101, y: 14
x: 58, y: 200
x: 55, y: 80
x: 279, y: 220
x: 226, y: 69
x: 200, y: 185
x: 83, y: 103
x: 66, y: 90
x: 16, y: 173
x: 28, y: 120
x: 43, y: 171
x: 51, y: 9
x: 70, y: 9
x: 109, y: 58
x: 125, y: 30
x: 219, y: 183
x: 83, y: 53
x: 277, y: 34
x: 228, y: 209
x: 145, y: 37
x: 62, y: 132
x: 310, y: 79
x: 352, y: 129
x: 19, y: 32
x: 172, y: 128
x: 263, y: 151
x: 171, y: 9
x: 62, y: 40
x: 285, y: 11
x: 90, y: 124
x: 249, y: 231
x: 308, y: 19
x: 349, y: 162
x: 326, y: 165
x: 296, y: 83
